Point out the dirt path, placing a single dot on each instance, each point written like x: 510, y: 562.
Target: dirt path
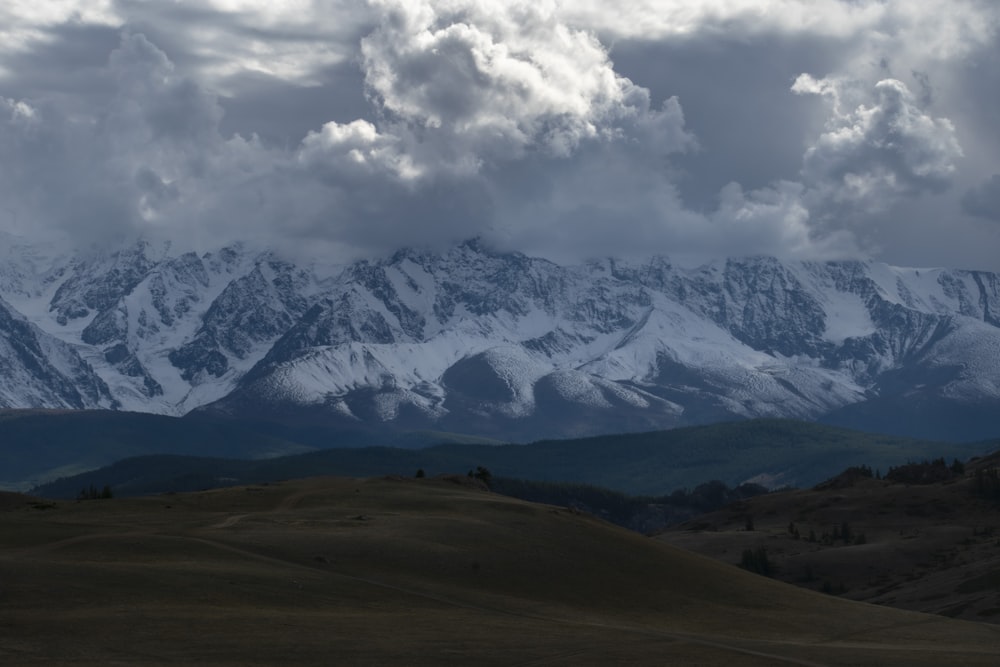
x: 287, y: 503
x: 229, y: 521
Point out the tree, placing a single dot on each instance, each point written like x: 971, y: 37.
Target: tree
x: 482, y: 474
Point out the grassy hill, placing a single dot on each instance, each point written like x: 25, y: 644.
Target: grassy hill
x: 927, y: 538
x: 773, y: 452
x: 417, y: 572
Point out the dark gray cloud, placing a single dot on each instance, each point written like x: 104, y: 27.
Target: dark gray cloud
x: 283, y: 112
x: 736, y: 101
x: 806, y: 129
x: 983, y: 201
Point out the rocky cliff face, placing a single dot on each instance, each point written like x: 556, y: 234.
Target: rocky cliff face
x: 38, y: 370
x: 509, y: 345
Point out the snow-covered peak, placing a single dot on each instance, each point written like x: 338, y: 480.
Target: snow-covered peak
x: 471, y: 338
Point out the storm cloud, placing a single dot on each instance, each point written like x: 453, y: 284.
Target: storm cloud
x: 800, y: 129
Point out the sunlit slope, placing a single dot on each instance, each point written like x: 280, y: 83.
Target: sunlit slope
x: 339, y: 571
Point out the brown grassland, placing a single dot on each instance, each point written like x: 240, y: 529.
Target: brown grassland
x: 417, y: 572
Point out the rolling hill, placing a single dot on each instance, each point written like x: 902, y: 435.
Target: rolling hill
x: 925, y: 537
x: 400, y: 571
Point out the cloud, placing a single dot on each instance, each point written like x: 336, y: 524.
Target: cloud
x: 148, y: 156
x: 24, y: 23
x: 342, y: 153
x: 287, y: 39
x: 877, y: 152
x: 659, y: 19
x: 932, y: 29
x: 578, y: 128
x: 778, y: 217
x: 467, y: 101
x: 155, y: 105
x: 474, y: 83
x: 983, y: 201
x: 44, y: 154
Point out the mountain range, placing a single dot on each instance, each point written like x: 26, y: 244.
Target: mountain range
x: 500, y: 344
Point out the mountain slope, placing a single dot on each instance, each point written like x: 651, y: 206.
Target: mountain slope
x: 37, y: 446
x: 770, y: 452
x: 501, y: 344
x: 38, y: 369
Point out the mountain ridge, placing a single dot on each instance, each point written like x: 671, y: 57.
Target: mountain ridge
x: 771, y: 452
x: 505, y: 345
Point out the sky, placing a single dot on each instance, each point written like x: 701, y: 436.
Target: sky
x: 804, y: 129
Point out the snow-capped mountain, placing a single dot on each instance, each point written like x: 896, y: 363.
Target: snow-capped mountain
x: 502, y: 344
x: 41, y: 370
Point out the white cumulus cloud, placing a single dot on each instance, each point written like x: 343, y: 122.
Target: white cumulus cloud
x: 473, y: 82
x: 876, y: 152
